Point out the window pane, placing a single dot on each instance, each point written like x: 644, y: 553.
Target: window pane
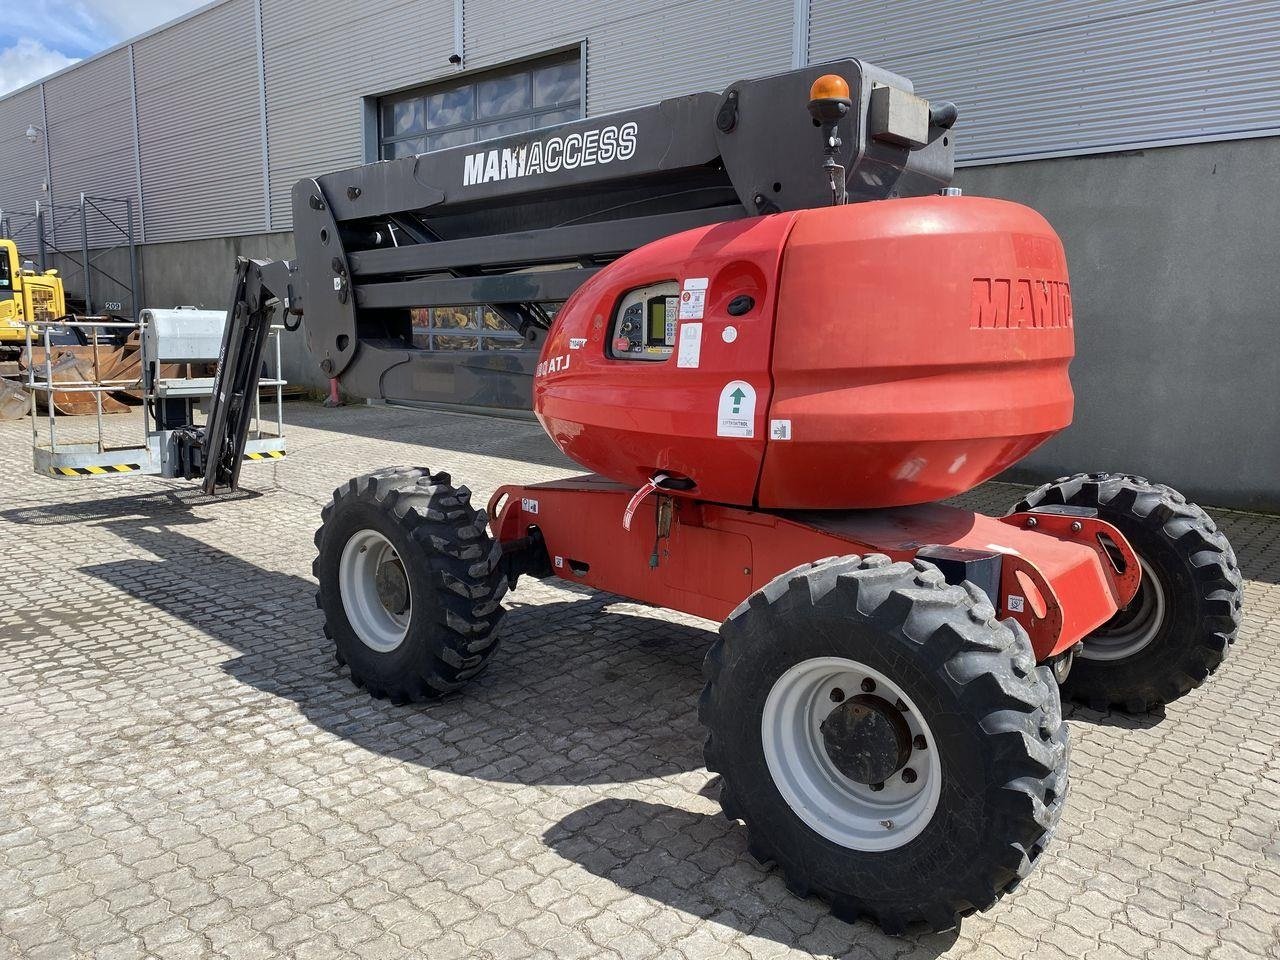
x: 447, y: 318
x: 452, y: 342
x: 403, y: 117
x: 556, y: 84
x: 405, y: 148
x: 505, y: 343
x: 500, y: 128
x: 451, y: 139
x: 450, y: 107
x: 552, y: 117
x: 502, y: 95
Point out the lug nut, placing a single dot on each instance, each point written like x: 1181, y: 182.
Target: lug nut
x: 837, y: 695
x: 920, y: 743
x: 908, y: 775
x: 902, y: 707
x: 877, y: 787
x: 868, y: 685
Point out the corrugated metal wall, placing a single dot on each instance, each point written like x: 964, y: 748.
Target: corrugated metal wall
x: 22, y: 167
x: 322, y: 58
x: 199, y: 122
x: 1035, y: 78
x: 91, y: 143
x: 641, y: 51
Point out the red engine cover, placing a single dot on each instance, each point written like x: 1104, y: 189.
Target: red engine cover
x: 896, y: 352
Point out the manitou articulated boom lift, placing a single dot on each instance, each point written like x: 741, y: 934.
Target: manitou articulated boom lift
x: 784, y: 338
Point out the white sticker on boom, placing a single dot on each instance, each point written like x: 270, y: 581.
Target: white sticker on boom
x: 528, y: 506
x: 693, y: 298
x: 1015, y: 604
x: 690, y: 352
x: 577, y: 343
x: 736, y: 416
x: 779, y: 429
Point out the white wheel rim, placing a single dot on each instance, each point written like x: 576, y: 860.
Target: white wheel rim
x: 851, y: 814
x: 1140, y: 622
x: 377, y: 627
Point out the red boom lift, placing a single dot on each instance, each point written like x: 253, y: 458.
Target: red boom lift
x: 773, y: 387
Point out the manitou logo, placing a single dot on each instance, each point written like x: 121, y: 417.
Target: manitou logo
x: 551, y: 154
x: 1004, y: 304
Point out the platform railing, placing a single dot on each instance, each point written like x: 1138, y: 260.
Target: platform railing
x: 149, y: 387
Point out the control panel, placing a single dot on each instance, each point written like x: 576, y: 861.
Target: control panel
x: 644, y: 326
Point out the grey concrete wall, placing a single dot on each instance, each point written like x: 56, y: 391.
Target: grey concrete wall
x: 1174, y: 257
x: 199, y: 273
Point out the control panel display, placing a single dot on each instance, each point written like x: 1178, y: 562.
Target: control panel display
x: 644, y: 327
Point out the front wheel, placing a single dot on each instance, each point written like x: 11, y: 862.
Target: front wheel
x: 1186, y: 613
x: 410, y: 583
x: 889, y: 744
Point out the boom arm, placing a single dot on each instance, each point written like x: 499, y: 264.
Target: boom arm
x: 526, y: 219
x: 260, y: 285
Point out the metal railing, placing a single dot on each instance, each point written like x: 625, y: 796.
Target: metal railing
x: 149, y: 385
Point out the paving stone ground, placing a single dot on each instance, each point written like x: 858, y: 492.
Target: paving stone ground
x: 185, y: 771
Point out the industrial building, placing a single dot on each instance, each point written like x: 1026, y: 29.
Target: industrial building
x: 1147, y: 133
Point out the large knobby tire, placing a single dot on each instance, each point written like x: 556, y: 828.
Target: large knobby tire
x: 1186, y: 613
x: 982, y: 713
x: 410, y: 583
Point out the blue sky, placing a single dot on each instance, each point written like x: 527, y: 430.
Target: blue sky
x: 38, y: 37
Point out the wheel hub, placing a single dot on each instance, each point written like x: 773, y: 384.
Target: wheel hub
x: 867, y: 739
x: 375, y: 591
x: 841, y: 762
x: 392, y: 586
x: 1134, y: 626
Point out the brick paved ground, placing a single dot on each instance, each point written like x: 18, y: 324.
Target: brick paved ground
x: 187, y: 773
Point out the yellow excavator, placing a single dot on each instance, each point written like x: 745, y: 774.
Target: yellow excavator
x: 25, y: 295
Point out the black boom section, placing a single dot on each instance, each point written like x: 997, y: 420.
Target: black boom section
x: 522, y: 221
x: 258, y: 289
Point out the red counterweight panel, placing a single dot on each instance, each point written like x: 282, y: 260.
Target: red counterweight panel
x: 921, y: 347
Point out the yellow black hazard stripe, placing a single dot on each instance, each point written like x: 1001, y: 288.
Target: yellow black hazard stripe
x: 268, y: 455
x: 95, y: 471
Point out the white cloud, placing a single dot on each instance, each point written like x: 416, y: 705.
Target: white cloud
x: 127, y: 18
x: 28, y: 60
x: 85, y: 28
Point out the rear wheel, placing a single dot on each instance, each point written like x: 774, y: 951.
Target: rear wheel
x: 410, y: 583
x: 889, y: 744
x: 1186, y: 613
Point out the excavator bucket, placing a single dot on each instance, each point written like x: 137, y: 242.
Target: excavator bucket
x: 14, y: 401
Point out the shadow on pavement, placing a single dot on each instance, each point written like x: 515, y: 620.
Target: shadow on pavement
x: 579, y: 693
x: 698, y: 863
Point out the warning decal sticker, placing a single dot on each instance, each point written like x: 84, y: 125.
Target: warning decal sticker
x: 693, y: 298
x: 690, y: 352
x: 736, y: 416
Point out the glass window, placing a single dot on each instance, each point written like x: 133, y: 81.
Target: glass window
x: 500, y: 128
x: 452, y: 107
x: 502, y: 96
x: 451, y: 138
x: 501, y: 102
x: 407, y: 148
x: 557, y: 84
x: 463, y: 328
